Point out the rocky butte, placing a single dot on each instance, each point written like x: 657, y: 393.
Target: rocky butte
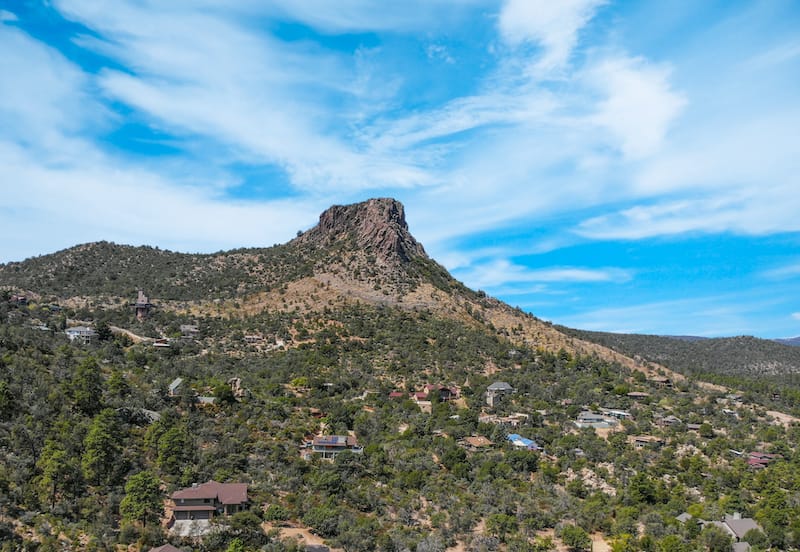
x: 376, y: 226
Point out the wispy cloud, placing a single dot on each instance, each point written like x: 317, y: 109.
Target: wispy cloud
x: 552, y: 25
x: 545, y: 124
x: 705, y: 317
x: 639, y: 104
x: 785, y: 272
x: 502, y: 271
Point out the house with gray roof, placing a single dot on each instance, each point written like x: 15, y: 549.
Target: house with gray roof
x: 497, y: 391
x: 81, y: 334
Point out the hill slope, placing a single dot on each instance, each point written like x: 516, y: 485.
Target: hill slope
x: 742, y: 356
x: 357, y: 253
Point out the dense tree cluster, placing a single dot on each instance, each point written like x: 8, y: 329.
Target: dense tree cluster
x: 81, y: 460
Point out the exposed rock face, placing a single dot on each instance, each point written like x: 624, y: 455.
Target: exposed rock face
x: 377, y: 226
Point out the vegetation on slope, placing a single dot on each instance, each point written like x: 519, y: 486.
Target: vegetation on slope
x: 78, y: 458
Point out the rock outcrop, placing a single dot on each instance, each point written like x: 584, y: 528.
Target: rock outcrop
x: 376, y: 226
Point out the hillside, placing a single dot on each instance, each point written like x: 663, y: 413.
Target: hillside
x: 357, y: 253
x: 350, y: 331
x: 742, y: 362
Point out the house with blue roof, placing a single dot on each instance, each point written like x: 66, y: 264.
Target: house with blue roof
x: 522, y: 442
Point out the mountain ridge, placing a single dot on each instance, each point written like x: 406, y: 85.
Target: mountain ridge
x: 363, y: 252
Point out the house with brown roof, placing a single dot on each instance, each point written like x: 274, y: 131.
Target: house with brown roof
x: 328, y: 447
x: 474, y: 443
x: 207, y: 500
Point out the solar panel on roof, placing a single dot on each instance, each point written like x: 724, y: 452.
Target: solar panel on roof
x: 332, y: 440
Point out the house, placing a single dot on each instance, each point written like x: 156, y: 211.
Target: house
x: 330, y: 446
x: 760, y: 460
x: 645, y: 441
x: 142, y: 306
x: 496, y: 392
x: 174, y: 387
x: 81, y: 334
x: 445, y: 393
x: 166, y: 548
x: 397, y: 395
x: 522, y: 442
x: 670, y: 421
x: 661, y: 381
x: 737, y: 526
x: 618, y: 414
x: 207, y: 500
x: 18, y: 300
x: 475, y: 442
x: 637, y: 395
x: 189, y: 330
x: 591, y: 419
x: 513, y: 420
x: 734, y: 525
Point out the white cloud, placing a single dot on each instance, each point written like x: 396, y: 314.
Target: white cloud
x: 498, y: 272
x: 188, y: 74
x: 703, y: 316
x: 47, y: 97
x: 553, y: 25
x: 439, y: 52
x: 130, y: 205
x: 783, y: 272
x: 639, y: 104
x: 358, y: 15
x: 7, y: 16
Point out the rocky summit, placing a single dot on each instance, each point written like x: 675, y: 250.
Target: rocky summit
x: 377, y: 226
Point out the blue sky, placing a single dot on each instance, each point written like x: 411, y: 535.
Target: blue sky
x: 618, y: 166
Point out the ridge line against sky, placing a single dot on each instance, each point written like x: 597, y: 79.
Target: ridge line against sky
x: 616, y: 166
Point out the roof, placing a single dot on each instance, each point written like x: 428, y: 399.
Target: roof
x: 166, y: 548
x: 645, y: 439
x: 740, y: 527
x: 175, y: 384
x: 684, y: 517
x: 334, y: 441
x: 520, y: 441
x: 741, y: 547
x: 226, y: 493
x: 500, y: 386
x: 79, y: 329
x: 478, y: 441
